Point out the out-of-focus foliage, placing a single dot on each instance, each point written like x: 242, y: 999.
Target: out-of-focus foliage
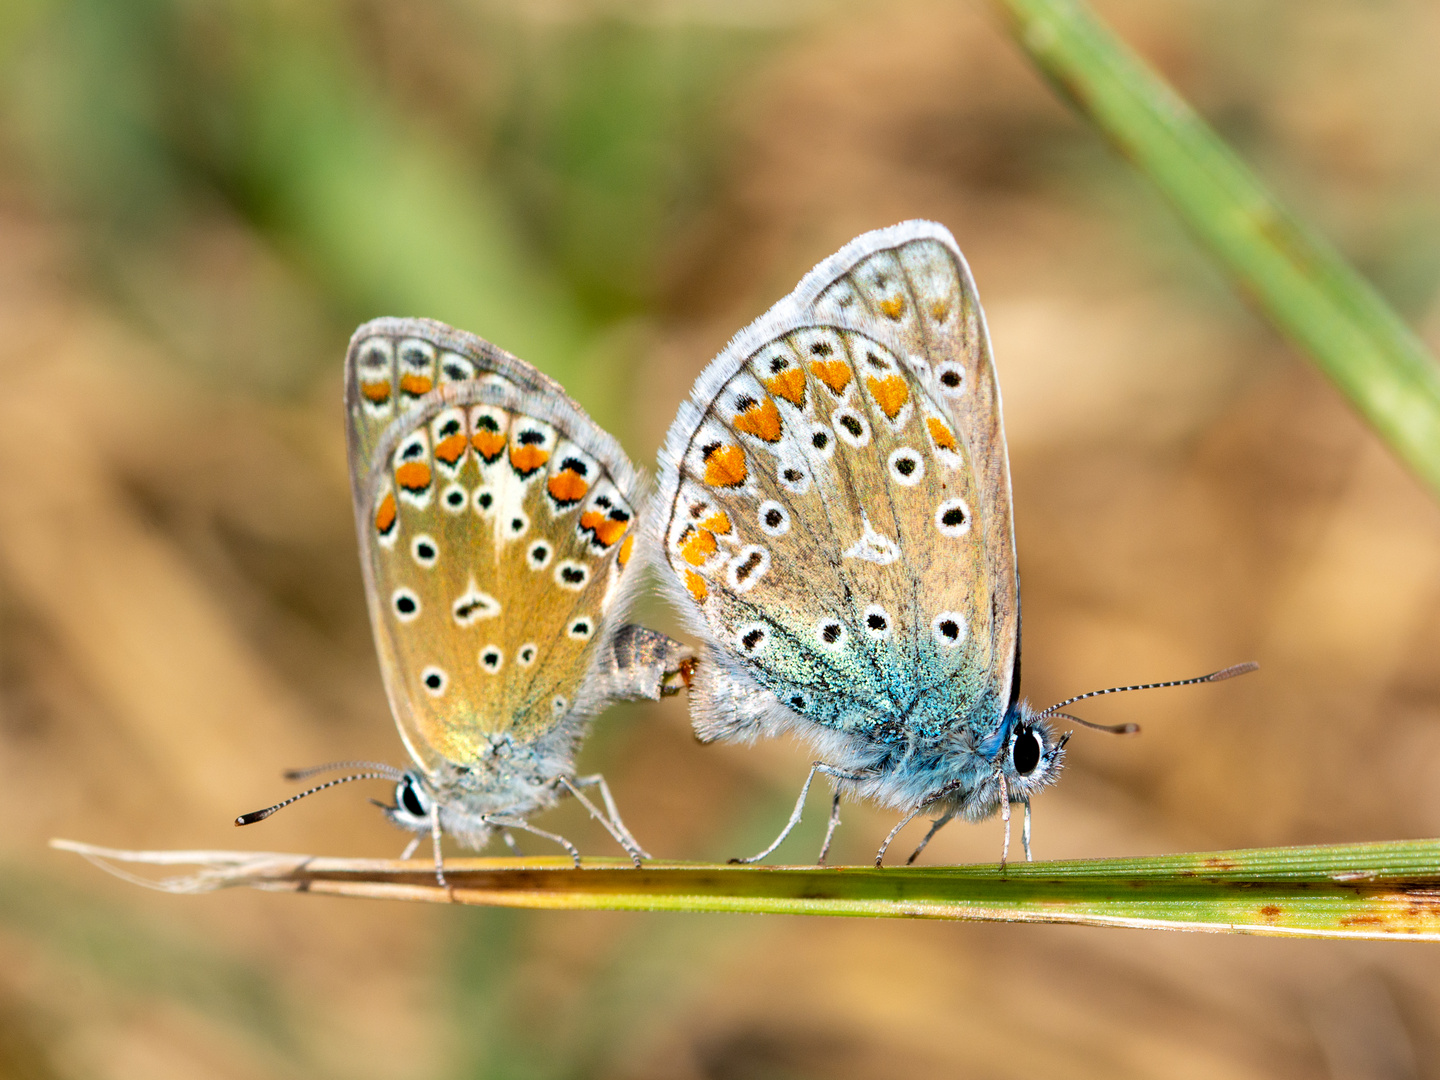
x: 199, y: 199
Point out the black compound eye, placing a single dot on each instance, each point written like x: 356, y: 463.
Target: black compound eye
x: 409, y: 799
x: 1026, y: 752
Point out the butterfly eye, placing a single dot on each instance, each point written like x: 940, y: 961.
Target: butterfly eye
x: 409, y: 799
x: 1025, y: 753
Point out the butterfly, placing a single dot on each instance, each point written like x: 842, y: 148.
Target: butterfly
x: 834, y: 517
x: 497, y: 527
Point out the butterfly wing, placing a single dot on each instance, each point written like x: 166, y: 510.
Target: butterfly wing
x: 496, y: 523
x: 834, y: 503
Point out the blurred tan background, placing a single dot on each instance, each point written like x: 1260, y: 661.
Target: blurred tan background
x: 199, y: 199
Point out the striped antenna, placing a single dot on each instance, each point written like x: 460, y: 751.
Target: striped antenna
x: 261, y: 815
x: 1214, y: 676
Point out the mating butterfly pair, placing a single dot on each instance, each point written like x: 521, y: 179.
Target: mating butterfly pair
x: 832, y: 517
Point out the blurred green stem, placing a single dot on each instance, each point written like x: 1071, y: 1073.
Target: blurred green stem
x: 1298, y: 280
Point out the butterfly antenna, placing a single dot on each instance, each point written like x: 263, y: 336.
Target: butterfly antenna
x: 261, y: 815
x: 1112, y: 729
x: 332, y: 766
x: 1214, y: 676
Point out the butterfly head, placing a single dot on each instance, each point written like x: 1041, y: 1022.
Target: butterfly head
x: 414, y: 803
x: 1030, y: 757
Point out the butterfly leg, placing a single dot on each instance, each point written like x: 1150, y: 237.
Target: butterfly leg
x: 1025, y: 833
x: 410, y: 847
x: 885, y: 844
x: 935, y: 826
x: 830, y: 829
x: 816, y: 766
x: 439, y: 855
x: 1005, y: 814
x: 525, y: 826
x: 613, y: 825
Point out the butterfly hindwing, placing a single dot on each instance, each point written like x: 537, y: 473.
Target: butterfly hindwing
x: 841, y: 527
x: 496, y: 522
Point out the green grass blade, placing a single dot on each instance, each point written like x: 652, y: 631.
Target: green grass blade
x: 1298, y: 280
x: 1378, y: 890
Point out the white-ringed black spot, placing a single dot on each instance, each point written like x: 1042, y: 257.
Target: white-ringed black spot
x: 405, y: 604
x: 517, y: 525
x: 778, y: 364
x: 413, y: 448
x: 877, y: 623
x: 538, y: 555
x: 822, y: 348
x: 851, y: 427
x: 525, y: 655
x: 484, y: 500
x: 819, y: 439
x: 774, y: 518
x: 875, y: 362
x: 558, y: 705
x: 743, y: 403
x: 455, y: 368
x: 794, y: 479
x: 753, y: 637
x: 581, y: 629
x: 831, y: 635
x: 453, y: 498
x: 952, y: 378
x: 952, y: 518
x: 948, y: 629
x: 434, y: 680
x: 747, y: 567
x: 474, y: 605
x: 571, y: 575
x: 424, y: 551
x: 907, y: 468
x: 491, y: 659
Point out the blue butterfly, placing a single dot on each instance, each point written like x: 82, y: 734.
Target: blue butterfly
x: 834, y: 517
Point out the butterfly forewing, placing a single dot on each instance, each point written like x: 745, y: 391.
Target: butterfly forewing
x: 493, y: 539
x: 833, y: 508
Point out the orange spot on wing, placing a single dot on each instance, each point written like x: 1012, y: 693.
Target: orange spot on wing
x: 761, y: 420
x: 610, y: 530
x: 451, y: 449
x: 625, y: 549
x: 416, y: 385
x: 377, y: 392
x: 385, y: 514
x: 567, y: 486
x: 939, y: 310
x: 726, y: 467
x: 893, y: 308
x: 717, y: 523
x: 696, y: 584
x: 697, y: 546
x: 606, y: 530
x: 943, y: 436
x: 889, y: 393
x: 526, y: 458
x: 488, y: 444
x: 833, y: 373
x: 788, y: 384
x: 413, y: 476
